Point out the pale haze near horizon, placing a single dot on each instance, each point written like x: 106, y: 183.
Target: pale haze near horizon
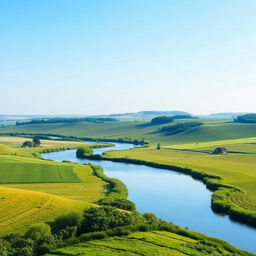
x: 100, y: 57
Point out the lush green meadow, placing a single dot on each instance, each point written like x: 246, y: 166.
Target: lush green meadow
x: 35, y: 190
x: 210, y: 131
x: 78, y: 184
x: 148, y: 244
x: 189, y: 149
x: 24, y: 170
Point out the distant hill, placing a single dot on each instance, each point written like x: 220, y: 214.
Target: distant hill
x: 156, y: 113
x: 227, y: 114
x: 145, y: 115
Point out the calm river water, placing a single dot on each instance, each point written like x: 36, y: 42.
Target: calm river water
x: 171, y: 196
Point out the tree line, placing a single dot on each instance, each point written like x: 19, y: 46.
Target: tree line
x: 67, y: 120
x: 248, y: 118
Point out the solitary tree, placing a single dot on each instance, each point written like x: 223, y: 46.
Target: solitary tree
x: 36, y: 141
x: 158, y: 146
x: 27, y: 144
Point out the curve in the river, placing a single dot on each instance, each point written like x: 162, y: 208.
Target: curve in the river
x: 171, y: 196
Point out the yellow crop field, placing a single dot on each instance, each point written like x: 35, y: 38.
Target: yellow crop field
x: 21, y: 208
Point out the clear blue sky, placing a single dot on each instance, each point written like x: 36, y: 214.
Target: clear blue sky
x: 100, y: 56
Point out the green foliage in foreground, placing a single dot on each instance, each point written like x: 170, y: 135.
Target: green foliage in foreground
x: 116, y: 233
x: 38, y: 231
x: 106, y: 217
x: 150, y: 240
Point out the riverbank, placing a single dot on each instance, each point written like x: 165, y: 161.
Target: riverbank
x: 220, y: 202
x: 171, y: 196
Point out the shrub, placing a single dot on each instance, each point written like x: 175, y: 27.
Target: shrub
x: 150, y: 218
x: 119, y: 203
x: 92, y: 236
x: 4, y: 247
x: 46, y: 244
x: 83, y: 152
x: 72, y: 219
x: 28, y: 144
x: 107, y: 217
x: 38, y: 231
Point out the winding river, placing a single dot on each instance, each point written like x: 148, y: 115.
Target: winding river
x: 172, y: 196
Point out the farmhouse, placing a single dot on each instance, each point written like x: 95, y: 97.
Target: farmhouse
x: 220, y: 150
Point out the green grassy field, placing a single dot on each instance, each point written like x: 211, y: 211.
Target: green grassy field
x: 24, y: 170
x: 34, y: 190
x: 210, y: 131
x: 157, y: 243
x: 189, y: 149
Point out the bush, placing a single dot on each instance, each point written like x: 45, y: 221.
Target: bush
x: 107, y: 217
x: 67, y: 233
x: 5, y: 247
x: 92, y: 236
x: 119, y: 203
x: 28, y: 144
x: 83, y: 152
x: 45, y: 244
x: 72, y: 219
x: 24, y: 251
x: 150, y: 218
x: 38, y: 231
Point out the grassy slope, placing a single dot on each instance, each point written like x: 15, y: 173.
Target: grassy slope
x: 25, y: 177
x: 210, y: 131
x: 21, y: 208
x: 17, y: 169
x: 155, y: 243
x: 91, y: 189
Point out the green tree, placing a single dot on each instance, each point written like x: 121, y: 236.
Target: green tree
x: 72, y: 219
x: 82, y: 152
x: 150, y: 218
x: 5, y: 248
x: 38, y: 231
x: 158, y: 146
x: 27, y: 144
x: 107, y: 217
x: 36, y: 142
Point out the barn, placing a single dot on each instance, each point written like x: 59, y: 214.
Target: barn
x: 220, y: 150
